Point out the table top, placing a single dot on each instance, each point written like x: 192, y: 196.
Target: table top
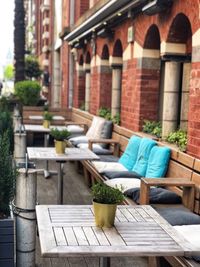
x: 41, y: 128
x: 49, y: 153
x: 38, y: 117
x: 69, y: 230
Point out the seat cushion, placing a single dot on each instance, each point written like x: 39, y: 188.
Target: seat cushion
x: 176, y: 216
x: 145, y: 147
x: 123, y: 183
x: 128, y: 159
x: 124, y: 174
x: 78, y: 140
x: 75, y: 129
x: 102, y: 167
x: 108, y: 158
x: 190, y: 233
x: 158, y: 162
x: 157, y: 195
x: 106, y: 132
x: 96, y: 148
x: 95, y: 129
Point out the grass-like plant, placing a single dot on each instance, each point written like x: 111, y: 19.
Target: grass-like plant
x: 47, y: 116
x: 59, y: 135
x: 105, y: 194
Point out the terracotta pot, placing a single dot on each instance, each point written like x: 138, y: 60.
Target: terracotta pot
x: 104, y: 214
x: 60, y: 147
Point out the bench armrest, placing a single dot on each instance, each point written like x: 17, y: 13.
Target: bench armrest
x: 105, y: 141
x: 188, y: 189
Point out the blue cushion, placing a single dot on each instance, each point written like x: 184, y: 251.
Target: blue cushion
x: 129, y: 157
x: 158, y: 162
x: 140, y: 166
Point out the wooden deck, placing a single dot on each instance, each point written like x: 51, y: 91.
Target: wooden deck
x: 75, y: 192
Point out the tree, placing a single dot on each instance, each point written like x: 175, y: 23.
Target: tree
x: 9, y: 72
x: 32, y: 68
x: 19, y: 40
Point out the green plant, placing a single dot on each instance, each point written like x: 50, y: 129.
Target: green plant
x: 179, y: 138
x: 6, y: 125
x: 152, y: 127
x: 59, y: 135
x: 32, y: 67
x: 28, y: 92
x: 7, y: 175
x: 47, y: 116
x: 105, y: 113
x: 103, y: 193
x: 82, y: 106
x: 116, y: 119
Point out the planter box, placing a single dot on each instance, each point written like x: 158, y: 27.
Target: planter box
x: 7, y: 242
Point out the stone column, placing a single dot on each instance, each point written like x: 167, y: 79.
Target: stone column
x: 171, y: 97
x: 116, y: 90
x: 185, y: 96
x: 56, y: 88
x: 87, y: 87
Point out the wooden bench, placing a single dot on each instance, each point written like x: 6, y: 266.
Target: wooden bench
x: 183, y: 175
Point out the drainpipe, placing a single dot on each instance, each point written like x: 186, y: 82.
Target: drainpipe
x: 71, y: 60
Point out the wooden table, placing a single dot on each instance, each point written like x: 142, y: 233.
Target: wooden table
x: 70, y: 231
x: 71, y: 154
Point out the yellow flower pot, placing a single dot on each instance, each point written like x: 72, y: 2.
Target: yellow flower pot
x: 46, y: 124
x: 60, y: 147
x: 104, y: 214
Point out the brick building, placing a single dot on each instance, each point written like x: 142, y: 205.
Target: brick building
x: 141, y: 59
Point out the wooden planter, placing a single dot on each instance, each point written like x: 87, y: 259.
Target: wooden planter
x: 7, y: 242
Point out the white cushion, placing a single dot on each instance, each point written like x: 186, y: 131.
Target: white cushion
x: 77, y: 138
x: 102, y: 166
x: 75, y: 129
x: 190, y: 233
x: 123, y: 183
x: 86, y: 146
x: 95, y: 128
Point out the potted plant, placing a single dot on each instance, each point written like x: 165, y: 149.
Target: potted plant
x: 59, y: 137
x: 105, y: 200
x: 47, y: 118
x: 7, y: 189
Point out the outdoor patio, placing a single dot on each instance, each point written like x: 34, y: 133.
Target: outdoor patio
x: 75, y: 192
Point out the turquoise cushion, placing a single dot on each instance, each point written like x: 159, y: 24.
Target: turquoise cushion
x: 140, y: 166
x: 158, y: 162
x: 129, y: 157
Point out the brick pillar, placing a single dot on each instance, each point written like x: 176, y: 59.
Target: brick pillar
x: 171, y: 97
x: 79, y: 88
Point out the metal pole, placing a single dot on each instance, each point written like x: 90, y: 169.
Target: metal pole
x: 19, y: 147
x: 24, y: 209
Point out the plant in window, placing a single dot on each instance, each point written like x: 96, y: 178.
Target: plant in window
x: 179, y: 138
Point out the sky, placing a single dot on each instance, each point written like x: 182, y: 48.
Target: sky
x: 6, y: 29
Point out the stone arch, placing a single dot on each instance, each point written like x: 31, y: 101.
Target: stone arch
x: 118, y: 49
x: 152, y: 38
x: 105, y: 53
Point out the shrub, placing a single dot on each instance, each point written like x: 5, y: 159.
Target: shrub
x: 32, y: 68
x: 59, y: 135
x: 47, y: 116
x: 116, y: 119
x: 6, y: 125
x: 103, y: 193
x: 105, y: 113
x: 28, y: 92
x: 179, y: 138
x: 7, y: 175
x: 152, y: 127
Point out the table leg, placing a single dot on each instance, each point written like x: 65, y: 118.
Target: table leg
x: 60, y: 182
x: 104, y: 262
x: 47, y: 173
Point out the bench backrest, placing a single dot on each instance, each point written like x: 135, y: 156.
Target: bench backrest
x: 181, y: 165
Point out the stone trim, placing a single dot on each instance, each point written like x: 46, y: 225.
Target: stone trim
x: 140, y: 52
x: 173, y: 48
x: 115, y: 61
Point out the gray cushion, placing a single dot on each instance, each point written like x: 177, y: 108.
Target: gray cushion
x: 108, y: 158
x: 106, y: 132
x: 121, y: 174
x: 102, y: 151
x: 157, y: 195
x: 177, y: 216
x: 77, y: 142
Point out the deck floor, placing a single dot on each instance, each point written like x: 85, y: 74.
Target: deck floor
x: 75, y: 192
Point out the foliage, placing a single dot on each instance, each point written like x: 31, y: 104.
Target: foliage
x: 9, y: 72
x: 105, y: 113
x: 116, y: 119
x: 6, y: 125
x: 7, y: 175
x: 32, y: 68
x: 179, y: 138
x: 152, y: 127
x: 82, y: 106
x: 59, y: 135
x: 103, y: 193
x: 47, y: 116
x: 28, y: 92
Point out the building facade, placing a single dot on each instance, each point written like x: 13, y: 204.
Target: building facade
x: 140, y: 59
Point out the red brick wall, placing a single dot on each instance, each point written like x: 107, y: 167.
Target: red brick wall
x: 79, y: 90
x: 81, y: 7
x: 105, y: 84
